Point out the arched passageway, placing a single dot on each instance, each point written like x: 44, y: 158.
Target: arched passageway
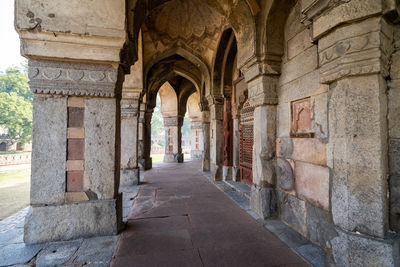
x: 297, y: 99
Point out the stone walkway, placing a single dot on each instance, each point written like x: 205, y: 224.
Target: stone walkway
x: 180, y: 218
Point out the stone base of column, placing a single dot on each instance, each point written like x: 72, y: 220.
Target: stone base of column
x: 73, y: 220
x: 216, y: 172
x: 350, y: 249
x: 196, y: 154
x: 227, y: 173
x: 146, y: 163
x: 177, y: 158
x: 205, y: 165
x: 263, y: 201
x: 129, y: 177
x: 235, y: 174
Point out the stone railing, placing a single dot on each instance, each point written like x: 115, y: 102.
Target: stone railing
x: 157, y: 150
x: 15, y: 159
x: 161, y: 149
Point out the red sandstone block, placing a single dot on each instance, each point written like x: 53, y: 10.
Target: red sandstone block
x: 76, y: 149
x: 312, y: 183
x: 74, y: 181
x: 75, y: 117
x: 309, y: 150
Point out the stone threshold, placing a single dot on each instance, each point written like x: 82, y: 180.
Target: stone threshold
x: 310, y: 252
x: 129, y: 194
x: 242, y: 188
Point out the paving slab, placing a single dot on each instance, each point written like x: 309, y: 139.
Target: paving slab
x: 18, y: 253
x: 97, y: 250
x: 57, y: 253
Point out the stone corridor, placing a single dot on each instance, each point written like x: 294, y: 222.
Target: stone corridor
x: 180, y: 218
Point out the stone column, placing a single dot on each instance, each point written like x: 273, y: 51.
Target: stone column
x: 76, y: 79
x: 129, y: 137
x: 216, y: 137
x: 357, y: 149
x: 145, y: 161
x: 262, y: 96
x: 354, y: 61
x: 236, y: 147
x: 227, y: 140
x: 173, y: 139
x: 75, y: 167
x: 206, y: 140
x: 141, y: 134
x: 196, y: 133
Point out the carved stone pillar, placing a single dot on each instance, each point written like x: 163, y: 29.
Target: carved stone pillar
x: 173, y: 139
x: 129, y: 137
x: 262, y: 96
x: 141, y: 134
x: 75, y: 168
x: 206, y: 140
x: 216, y: 137
x: 357, y: 149
x: 146, y: 161
x: 227, y: 141
x: 354, y: 62
x: 76, y: 80
x: 236, y: 147
x: 196, y: 151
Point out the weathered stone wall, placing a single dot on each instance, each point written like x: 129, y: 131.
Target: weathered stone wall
x: 394, y: 133
x: 302, y: 172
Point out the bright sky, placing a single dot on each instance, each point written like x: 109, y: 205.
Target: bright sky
x: 9, y: 45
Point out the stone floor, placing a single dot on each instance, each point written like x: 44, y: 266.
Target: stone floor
x: 180, y: 218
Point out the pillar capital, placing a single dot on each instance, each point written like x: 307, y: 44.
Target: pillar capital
x: 357, y: 49
x: 72, y: 78
x: 173, y: 121
x: 45, y: 33
x: 215, y: 100
x: 205, y: 116
x: 131, y: 93
x: 262, y: 80
x: 196, y: 124
x: 217, y: 111
x: 129, y: 108
x: 130, y: 102
x: 325, y: 15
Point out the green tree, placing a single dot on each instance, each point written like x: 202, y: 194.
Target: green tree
x: 186, y: 126
x: 16, y: 117
x: 157, y: 122
x: 15, y: 81
x: 16, y: 104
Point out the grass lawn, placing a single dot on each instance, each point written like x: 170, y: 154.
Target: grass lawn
x: 14, y: 191
x: 18, y: 152
x: 157, y: 158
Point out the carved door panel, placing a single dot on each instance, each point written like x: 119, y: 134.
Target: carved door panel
x: 246, y: 143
